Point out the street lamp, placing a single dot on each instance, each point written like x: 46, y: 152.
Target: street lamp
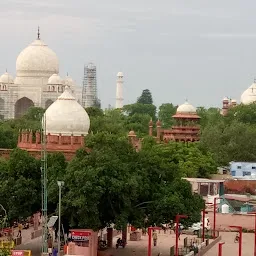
x: 203, y: 231
x: 220, y: 248
x: 240, y: 239
x: 214, y: 214
x: 177, y: 220
x: 60, y: 185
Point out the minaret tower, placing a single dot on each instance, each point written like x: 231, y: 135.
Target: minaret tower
x: 119, y: 90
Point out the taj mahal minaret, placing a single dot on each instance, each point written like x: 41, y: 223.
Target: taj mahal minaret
x: 119, y: 90
x: 37, y: 81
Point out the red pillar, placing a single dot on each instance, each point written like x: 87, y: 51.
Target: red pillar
x: 176, y: 236
x: 255, y: 236
x: 240, y: 241
x: 220, y: 249
x: 110, y: 237
x: 149, y: 240
x: 203, y: 223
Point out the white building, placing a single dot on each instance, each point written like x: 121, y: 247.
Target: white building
x: 37, y: 82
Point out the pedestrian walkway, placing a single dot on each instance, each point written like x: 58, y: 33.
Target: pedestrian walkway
x: 231, y: 248
x: 138, y: 248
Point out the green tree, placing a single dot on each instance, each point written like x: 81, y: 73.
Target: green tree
x: 145, y: 98
x: 142, y: 109
x: 21, y: 187
x: 166, y: 111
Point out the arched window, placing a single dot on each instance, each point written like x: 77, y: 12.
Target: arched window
x: 22, y: 105
x: 48, y: 103
x: 53, y: 88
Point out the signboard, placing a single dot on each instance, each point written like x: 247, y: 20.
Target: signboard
x: 80, y: 235
x: 17, y: 253
x: 52, y: 221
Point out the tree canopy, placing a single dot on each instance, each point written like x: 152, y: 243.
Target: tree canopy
x: 145, y: 98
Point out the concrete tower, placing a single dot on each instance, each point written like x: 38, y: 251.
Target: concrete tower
x: 119, y: 90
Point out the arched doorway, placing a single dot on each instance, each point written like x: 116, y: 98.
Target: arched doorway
x: 2, y: 109
x: 22, y: 105
x: 48, y: 103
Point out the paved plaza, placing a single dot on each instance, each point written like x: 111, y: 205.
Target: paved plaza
x: 231, y: 248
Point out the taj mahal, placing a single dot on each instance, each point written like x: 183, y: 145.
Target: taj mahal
x: 37, y: 82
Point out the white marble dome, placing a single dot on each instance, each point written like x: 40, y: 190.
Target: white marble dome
x: 186, y: 108
x: 249, y: 95
x: 66, y: 116
x: 55, y: 79
x: 37, y: 60
x: 6, y: 78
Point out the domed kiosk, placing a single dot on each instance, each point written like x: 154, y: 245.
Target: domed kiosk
x: 186, y: 126
x: 65, y: 122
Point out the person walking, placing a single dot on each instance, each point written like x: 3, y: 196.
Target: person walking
x: 155, y: 237
x: 19, y: 230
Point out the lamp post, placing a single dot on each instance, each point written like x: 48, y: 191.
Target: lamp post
x: 240, y: 239
x: 150, y: 238
x: 214, y: 214
x: 177, y: 220
x: 220, y: 248
x: 60, y: 185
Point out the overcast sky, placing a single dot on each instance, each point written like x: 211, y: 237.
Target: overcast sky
x: 201, y: 50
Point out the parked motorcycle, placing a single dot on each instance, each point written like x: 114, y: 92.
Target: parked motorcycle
x: 120, y: 242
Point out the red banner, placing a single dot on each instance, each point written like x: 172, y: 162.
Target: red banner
x: 80, y: 235
x: 17, y: 253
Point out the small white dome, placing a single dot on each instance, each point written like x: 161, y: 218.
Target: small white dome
x: 249, y: 95
x: 186, y: 108
x: 120, y: 74
x: 226, y: 99
x: 66, y: 116
x: 55, y: 79
x: 6, y: 78
x: 233, y: 101
x: 37, y: 60
x: 68, y: 81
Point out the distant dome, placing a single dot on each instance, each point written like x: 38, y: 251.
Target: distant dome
x: 66, y: 116
x: 55, y: 79
x: 233, y: 101
x: 186, y: 108
x: 37, y: 60
x: 68, y: 81
x: 249, y: 95
x: 120, y: 74
x: 226, y: 99
x: 6, y: 78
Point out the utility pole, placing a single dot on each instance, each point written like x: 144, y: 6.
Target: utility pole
x: 60, y: 184
x: 44, y: 186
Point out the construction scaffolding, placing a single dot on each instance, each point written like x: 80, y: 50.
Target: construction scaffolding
x: 89, y: 93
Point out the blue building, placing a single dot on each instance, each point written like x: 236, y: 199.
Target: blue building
x: 241, y: 169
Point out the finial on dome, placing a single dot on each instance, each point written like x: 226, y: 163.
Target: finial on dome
x: 38, y: 33
x: 67, y: 73
x: 6, y: 70
x: 254, y: 80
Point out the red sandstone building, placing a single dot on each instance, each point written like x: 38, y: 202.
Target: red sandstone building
x: 66, y: 124
x: 186, y: 128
